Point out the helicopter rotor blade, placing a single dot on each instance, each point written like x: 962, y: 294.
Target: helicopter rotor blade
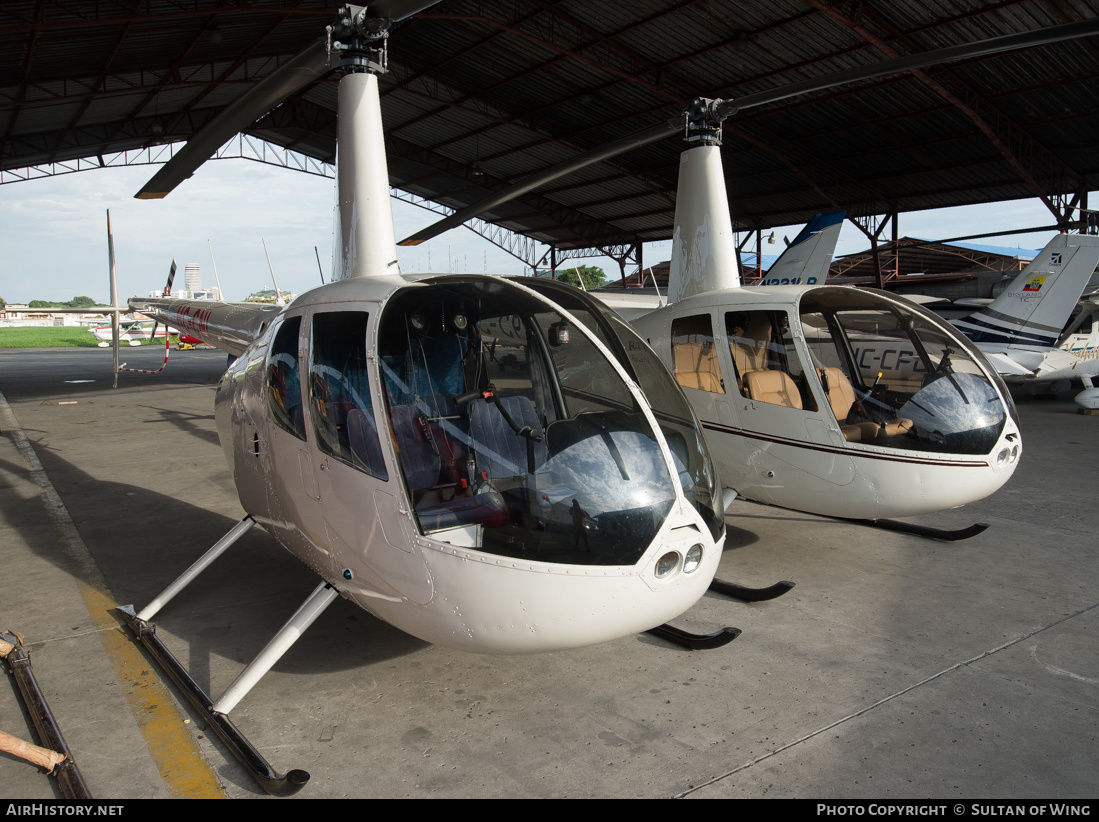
x: 910, y: 62
x: 722, y: 109
x: 604, y: 152
x: 307, y: 66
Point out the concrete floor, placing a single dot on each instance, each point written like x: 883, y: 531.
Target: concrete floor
x: 897, y: 668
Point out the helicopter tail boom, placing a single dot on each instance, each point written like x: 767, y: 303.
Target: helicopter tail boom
x: 229, y: 326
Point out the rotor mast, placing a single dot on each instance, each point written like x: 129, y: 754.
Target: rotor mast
x: 357, y: 45
x: 703, y: 245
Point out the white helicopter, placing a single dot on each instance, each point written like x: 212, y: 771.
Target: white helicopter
x: 495, y: 465
x: 462, y: 456
x: 832, y: 400
x: 1020, y: 331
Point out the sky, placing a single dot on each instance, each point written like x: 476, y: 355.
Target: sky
x: 54, y: 242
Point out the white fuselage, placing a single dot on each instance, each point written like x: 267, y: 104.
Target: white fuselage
x: 361, y: 532
x: 802, y: 457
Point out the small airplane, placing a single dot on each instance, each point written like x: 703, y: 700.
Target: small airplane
x: 1020, y: 332
x: 134, y: 333
x: 1075, y: 357
x: 498, y: 466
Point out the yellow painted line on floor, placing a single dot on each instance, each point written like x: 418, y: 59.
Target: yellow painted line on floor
x: 173, y: 748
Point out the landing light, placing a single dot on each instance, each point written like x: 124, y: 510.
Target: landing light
x: 693, y: 558
x: 667, y: 564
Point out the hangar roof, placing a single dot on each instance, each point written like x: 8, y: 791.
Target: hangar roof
x: 481, y: 93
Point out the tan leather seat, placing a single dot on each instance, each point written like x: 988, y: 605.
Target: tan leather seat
x: 841, y: 396
x: 748, y: 346
x: 840, y: 392
x: 870, y: 431
x: 696, y: 366
x: 774, y: 387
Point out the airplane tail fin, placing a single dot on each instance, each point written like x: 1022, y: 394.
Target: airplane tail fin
x: 805, y: 261
x: 1031, y: 312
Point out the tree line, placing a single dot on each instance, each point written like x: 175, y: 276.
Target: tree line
x: 75, y: 302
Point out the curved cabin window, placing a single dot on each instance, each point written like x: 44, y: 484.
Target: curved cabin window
x: 283, y: 379
x: 682, y: 430
x: 339, y: 392
x: 694, y: 354
x: 765, y: 359
x: 515, y: 434
x: 896, y: 378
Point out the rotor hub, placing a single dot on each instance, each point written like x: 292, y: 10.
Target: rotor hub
x: 702, y: 121
x: 357, y: 42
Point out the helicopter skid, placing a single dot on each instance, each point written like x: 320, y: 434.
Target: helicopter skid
x: 695, y: 642
x: 745, y: 594
x: 947, y: 535
x: 270, y: 780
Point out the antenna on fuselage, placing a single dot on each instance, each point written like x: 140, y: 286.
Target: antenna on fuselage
x: 114, y: 297
x: 321, y: 270
x: 217, y: 279
x: 656, y: 288
x: 278, y: 294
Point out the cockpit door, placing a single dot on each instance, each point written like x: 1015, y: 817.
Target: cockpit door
x: 352, y: 469
x: 788, y: 431
x: 700, y: 371
x: 294, y: 495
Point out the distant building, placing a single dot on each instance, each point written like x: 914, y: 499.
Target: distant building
x: 212, y: 293
x: 949, y: 270
x: 192, y: 279
x: 18, y: 316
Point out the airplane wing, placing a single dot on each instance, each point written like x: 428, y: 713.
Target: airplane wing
x: 926, y: 301
x: 228, y: 326
x: 1007, y: 366
x: 629, y: 306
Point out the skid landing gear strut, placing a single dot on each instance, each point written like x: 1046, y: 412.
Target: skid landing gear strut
x: 216, y: 712
x: 704, y: 642
x: 928, y: 531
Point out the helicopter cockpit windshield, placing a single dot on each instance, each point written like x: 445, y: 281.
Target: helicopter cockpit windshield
x: 515, y: 434
x: 896, y: 377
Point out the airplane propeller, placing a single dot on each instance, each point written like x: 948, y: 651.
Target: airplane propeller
x: 715, y: 111
x: 167, y: 293
x: 371, y: 22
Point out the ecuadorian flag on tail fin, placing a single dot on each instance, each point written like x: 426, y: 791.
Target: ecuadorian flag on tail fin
x: 1030, y: 314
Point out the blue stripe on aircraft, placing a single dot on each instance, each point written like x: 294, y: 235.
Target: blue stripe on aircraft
x: 981, y: 331
x: 818, y: 224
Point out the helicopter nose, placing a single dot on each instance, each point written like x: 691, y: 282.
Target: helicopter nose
x: 511, y: 605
